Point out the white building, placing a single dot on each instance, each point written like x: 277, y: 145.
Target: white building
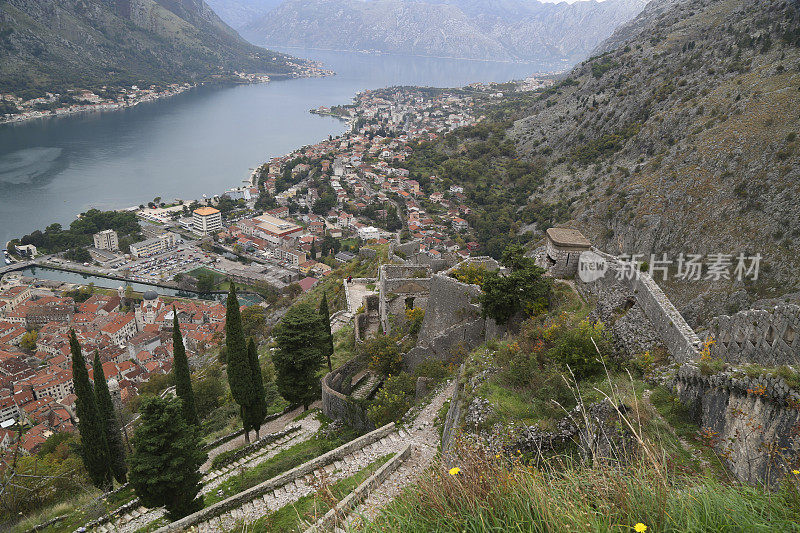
x: 239, y: 193
x: 153, y: 246
x: 106, y: 240
x: 369, y: 233
x: 148, y: 310
x: 206, y: 220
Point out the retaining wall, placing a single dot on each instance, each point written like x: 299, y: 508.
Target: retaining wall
x: 230, y: 436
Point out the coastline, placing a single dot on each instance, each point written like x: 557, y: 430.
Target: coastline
x: 88, y: 108
x: 173, y: 90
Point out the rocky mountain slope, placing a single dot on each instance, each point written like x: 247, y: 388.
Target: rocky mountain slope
x: 240, y: 13
x: 54, y: 46
x: 494, y: 29
x: 683, y: 137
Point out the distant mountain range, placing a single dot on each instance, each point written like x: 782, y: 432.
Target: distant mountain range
x: 476, y: 29
x: 240, y: 13
x: 48, y: 45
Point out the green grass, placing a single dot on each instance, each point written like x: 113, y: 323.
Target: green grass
x: 292, y: 517
x: 585, y: 499
x: 283, y: 461
x: 344, y: 346
x: 77, y: 510
x: 680, y: 420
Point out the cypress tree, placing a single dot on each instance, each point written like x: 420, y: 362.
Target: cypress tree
x: 183, y: 378
x: 94, y: 447
x: 165, y: 464
x: 105, y: 407
x: 327, y: 343
x: 257, y: 412
x: 298, y: 358
x: 239, y: 373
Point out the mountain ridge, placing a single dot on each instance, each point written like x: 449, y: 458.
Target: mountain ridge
x: 73, y: 44
x: 508, y: 30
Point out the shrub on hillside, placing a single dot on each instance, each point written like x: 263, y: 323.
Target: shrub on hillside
x: 582, y: 348
x: 393, y: 400
x: 383, y: 355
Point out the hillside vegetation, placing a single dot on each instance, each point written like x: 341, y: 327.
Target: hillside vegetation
x: 683, y: 137
x: 54, y: 46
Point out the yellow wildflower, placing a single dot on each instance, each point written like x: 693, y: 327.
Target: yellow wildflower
x: 640, y: 528
x: 796, y: 472
x: 455, y: 470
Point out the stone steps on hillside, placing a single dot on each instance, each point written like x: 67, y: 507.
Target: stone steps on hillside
x: 367, y: 387
x: 141, y: 516
x: 213, y: 479
x: 292, y: 491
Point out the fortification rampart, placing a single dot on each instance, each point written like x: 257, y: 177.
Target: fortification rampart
x: 765, y: 337
x: 752, y: 422
x: 336, y: 401
x: 452, y: 320
x: 672, y: 329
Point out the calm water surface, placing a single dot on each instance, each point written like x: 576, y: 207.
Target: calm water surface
x: 201, y: 142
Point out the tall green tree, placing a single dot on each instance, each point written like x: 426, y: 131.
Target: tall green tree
x: 108, y: 415
x: 183, y: 377
x: 299, y: 355
x: 165, y: 463
x: 327, y: 342
x: 239, y: 372
x: 256, y: 413
x: 94, y: 447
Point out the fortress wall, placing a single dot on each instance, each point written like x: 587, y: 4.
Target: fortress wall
x: 672, y: 329
x: 336, y: 404
x: 765, y: 337
x: 747, y: 417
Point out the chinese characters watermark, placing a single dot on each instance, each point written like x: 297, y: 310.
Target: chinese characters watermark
x: 685, y: 267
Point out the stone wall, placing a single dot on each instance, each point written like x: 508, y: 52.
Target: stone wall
x: 405, y: 250
x: 399, y: 283
x: 677, y: 336
x: 336, y: 403
x: 746, y: 417
x: 452, y: 318
x: 296, y: 473
x: 451, y: 421
x: 230, y: 436
x: 766, y: 337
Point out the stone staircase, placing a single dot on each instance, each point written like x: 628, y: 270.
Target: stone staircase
x: 214, y: 478
x: 413, y: 449
x: 130, y: 520
x: 287, y: 488
x: 292, y: 491
x: 367, y: 387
